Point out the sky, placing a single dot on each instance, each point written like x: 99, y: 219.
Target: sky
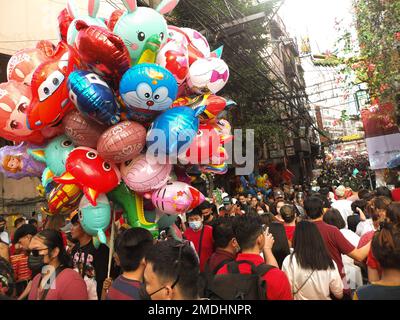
x: 316, y: 18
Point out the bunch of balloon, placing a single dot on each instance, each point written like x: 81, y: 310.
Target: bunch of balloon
x: 111, y: 113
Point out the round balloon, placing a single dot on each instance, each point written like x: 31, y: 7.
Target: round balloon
x: 95, y: 219
x: 145, y: 174
x: 198, y: 41
x: 147, y: 89
x: 23, y: 64
x: 122, y: 142
x: 15, y: 98
x: 16, y: 163
x: 93, y: 97
x: 208, y: 75
x: 81, y: 131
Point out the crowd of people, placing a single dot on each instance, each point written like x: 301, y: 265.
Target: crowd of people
x: 336, y: 243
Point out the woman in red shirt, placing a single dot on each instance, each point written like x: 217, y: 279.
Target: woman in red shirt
x: 288, y: 215
x: 55, y: 280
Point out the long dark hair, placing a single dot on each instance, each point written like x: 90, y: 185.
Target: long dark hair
x: 309, y: 248
x: 280, y: 249
x: 53, y: 239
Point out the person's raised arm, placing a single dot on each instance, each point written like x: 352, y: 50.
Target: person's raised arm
x: 267, y: 250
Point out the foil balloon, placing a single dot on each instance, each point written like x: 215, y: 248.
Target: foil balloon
x: 54, y: 155
x: 122, y: 142
x: 147, y: 90
x: 114, y: 18
x: 173, y: 131
x: 215, y: 169
x: 198, y: 41
x: 16, y: 163
x: 47, y: 47
x: 93, y: 97
x: 83, y: 132
x: 145, y: 174
x: 64, y: 198
x: 214, y: 105
x: 208, y: 75
x: 133, y: 206
x: 49, y: 88
x: 64, y: 21
x: 95, y: 219
x: 15, y: 98
x: 104, y: 52
x: 91, y: 172
x: 150, y: 50
x: 177, y: 198
x: 137, y: 25
x: 23, y: 64
x: 90, y: 18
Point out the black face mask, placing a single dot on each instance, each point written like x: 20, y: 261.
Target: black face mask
x: 36, y: 263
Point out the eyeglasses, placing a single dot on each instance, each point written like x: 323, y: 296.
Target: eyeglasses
x: 35, y: 252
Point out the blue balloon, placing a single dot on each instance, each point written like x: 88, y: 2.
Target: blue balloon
x: 93, y: 97
x: 173, y: 131
x: 147, y: 90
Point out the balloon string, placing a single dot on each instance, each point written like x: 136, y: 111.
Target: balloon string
x: 111, y: 241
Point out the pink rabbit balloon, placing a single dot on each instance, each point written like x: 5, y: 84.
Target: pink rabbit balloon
x: 144, y: 174
x: 177, y: 198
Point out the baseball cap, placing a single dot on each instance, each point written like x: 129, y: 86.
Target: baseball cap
x: 23, y: 231
x: 340, y: 191
x: 227, y: 200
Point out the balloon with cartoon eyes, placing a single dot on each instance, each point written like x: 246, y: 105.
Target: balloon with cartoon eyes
x: 49, y: 88
x: 86, y: 168
x: 147, y: 90
x: 93, y: 97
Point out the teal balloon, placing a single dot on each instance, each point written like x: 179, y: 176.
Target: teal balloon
x: 355, y: 171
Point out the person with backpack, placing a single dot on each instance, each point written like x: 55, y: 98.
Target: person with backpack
x: 249, y: 277
x: 312, y: 273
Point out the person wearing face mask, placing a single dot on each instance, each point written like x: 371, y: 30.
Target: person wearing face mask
x: 200, y: 235
x: 55, y: 279
x: 206, y: 211
x: 171, y: 272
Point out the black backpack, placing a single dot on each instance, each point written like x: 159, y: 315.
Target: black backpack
x: 237, y: 286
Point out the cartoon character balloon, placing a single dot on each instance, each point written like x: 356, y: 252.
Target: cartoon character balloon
x: 122, y: 142
x: 147, y: 89
x: 49, y: 88
x: 93, y: 97
x: 95, y: 219
x: 173, y: 131
x: 83, y: 132
x: 23, y: 64
x: 90, y: 19
x: 16, y: 163
x: 177, y: 198
x: 137, y: 25
x: 64, y: 198
x: 103, y: 51
x: 208, y: 75
x: 54, y: 155
x: 64, y: 21
x: 145, y: 174
x: 15, y: 98
x: 91, y: 172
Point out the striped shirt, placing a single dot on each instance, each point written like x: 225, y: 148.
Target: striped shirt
x: 19, y: 264
x: 124, y: 289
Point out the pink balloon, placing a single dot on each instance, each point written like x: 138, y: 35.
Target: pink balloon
x: 83, y: 132
x: 144, y: 174
x: 177, y: 198
x: 122, y: 142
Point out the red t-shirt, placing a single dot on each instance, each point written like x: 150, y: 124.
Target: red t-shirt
x: 278, y: 286
x: 68, y: 285
x: 367, y: 237
x: 218, y: 257
x: 396, y: 194
x: 207, y: 247
x: 19, y: 263
x: 335, y: 242
x: 290, y: 232
x: 373, y: 263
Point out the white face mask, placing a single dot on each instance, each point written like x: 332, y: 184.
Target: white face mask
x: 260, y: 211
x: 195, y: 225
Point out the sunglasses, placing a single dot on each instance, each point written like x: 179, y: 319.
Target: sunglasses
x: 35, y: 252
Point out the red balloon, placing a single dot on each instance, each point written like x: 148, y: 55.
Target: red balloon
x: 50, y: 101
x: 14, y: 100
x: 104, y: 52
x: 48, y: 48
x: 64, y: 20
x: 114, y: 19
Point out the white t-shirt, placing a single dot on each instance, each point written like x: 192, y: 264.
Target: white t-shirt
x: 318, y: 286
x: 364, y: 226
x: 344, y: 207
x: 353, y: 238
x: 353, y: 272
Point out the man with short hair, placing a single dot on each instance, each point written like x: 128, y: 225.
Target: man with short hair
x: 33, y: 222
x: 206, y: 211
x: 200, y: 235
x: 4, y: 237
x: 171, y: 272
x: 252, y: 238
x: 342, y: 204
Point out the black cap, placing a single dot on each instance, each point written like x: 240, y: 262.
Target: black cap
x: 23, y: 231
